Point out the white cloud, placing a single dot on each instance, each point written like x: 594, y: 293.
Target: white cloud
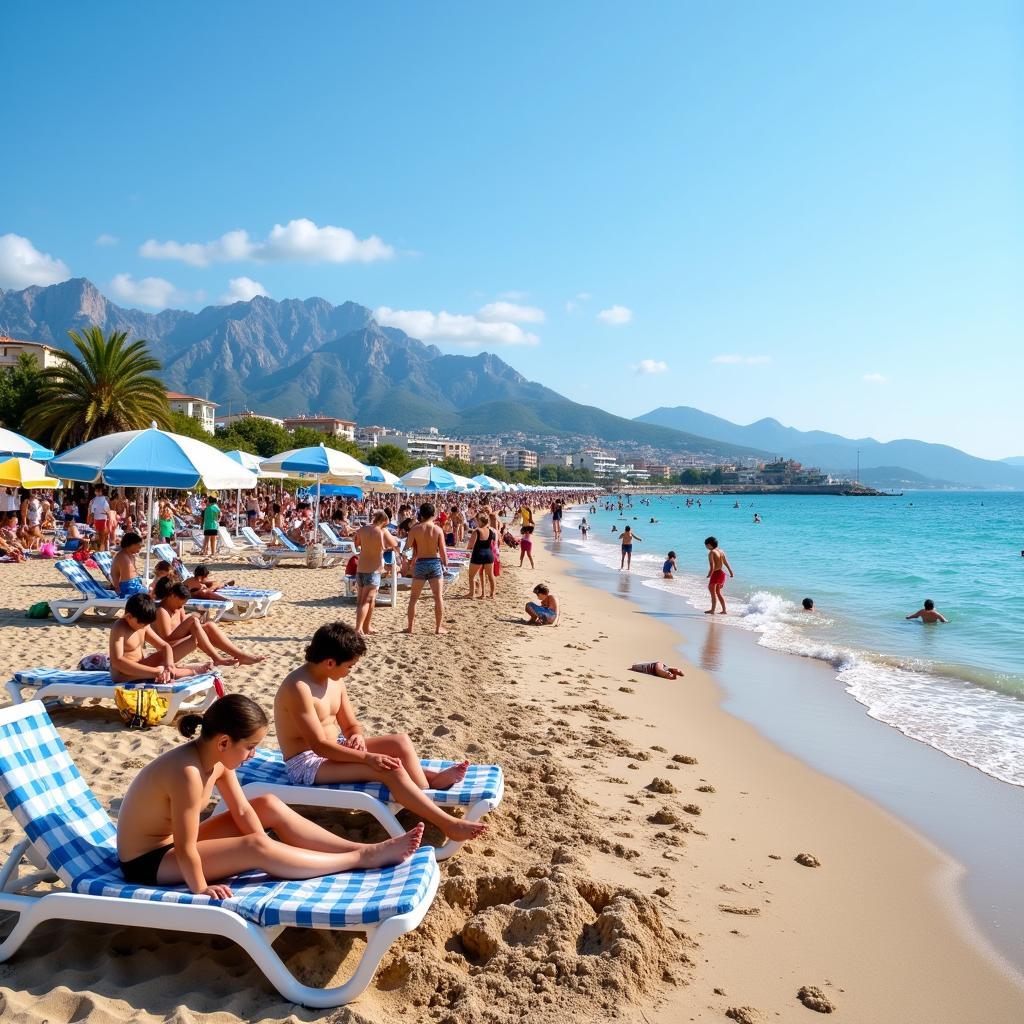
x: 650, y: 366
x: 22, y: 264
x: 242, y: 289
x: 298, y: 241
x: 496, y: 312
x: 574, y: 304
x: 735, y: 360
x: 453, y: 328
x: 615, y: 316
x: 106, y: 239
x: 876, y: 378
x: 153, y: 292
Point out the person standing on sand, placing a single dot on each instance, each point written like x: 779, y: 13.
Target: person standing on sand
x: 211, y: 524
x: 717, y: 564
x: 430, y: 559
x: 627, y: 538
x: 556, y: 519
x: 371, y: 542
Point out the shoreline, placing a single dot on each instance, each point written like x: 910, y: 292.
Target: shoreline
x: 895, y: 890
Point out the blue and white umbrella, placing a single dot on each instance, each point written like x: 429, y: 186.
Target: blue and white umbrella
x: 22, y: 447
x: 428, y: 478
x: 488, y: 483
x: 380, y: 479
x: 151, y: 459
x: 328, y: 465
x: 253, y: 464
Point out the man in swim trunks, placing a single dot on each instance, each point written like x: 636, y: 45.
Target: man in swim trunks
x: 430, y: 559
x: 928, y: 614
x: 627, y: 538
x: 717, y: 564
x: 371, y: 542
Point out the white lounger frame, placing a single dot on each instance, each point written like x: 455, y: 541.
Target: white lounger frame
x: 34, y: 910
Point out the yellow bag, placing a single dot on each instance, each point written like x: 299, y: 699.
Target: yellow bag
x: 141, y: 707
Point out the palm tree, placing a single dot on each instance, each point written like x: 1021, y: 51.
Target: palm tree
x: 108, y: 386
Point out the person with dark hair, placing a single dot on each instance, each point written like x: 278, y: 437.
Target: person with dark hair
x: 124, y: 574
x: 669, y: 567
x: 717, y: 564
x: 185, y: 632
x: 807, y: 604
x: 371, y: 541
x: 323, y: 742
x: 128, y: 638
x: 543, y: 612
x: 928, y: 614
x: 161, y: 840
x: 204, y: 587
x: 481, y: 559
x: 429, y: 561
x: 657, y: 668
x: 626, y: 544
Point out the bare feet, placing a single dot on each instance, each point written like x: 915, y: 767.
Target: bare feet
x: 712, y: 612
x: 441, y: 631
x: 462, y: 831
x: 251, y: 659
x: 449, y: 777
x: 393, y: 851
x: 225, y: 660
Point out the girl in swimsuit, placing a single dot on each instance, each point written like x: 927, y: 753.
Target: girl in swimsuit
x: 161, y: 840
x: 481, y: 561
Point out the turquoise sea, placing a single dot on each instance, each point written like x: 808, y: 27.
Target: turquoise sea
x: 866, y: 562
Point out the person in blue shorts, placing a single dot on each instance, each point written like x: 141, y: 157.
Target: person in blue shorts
x: 544, y: 611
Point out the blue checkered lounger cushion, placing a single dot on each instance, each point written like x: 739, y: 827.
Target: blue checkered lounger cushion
x: 40, y: 677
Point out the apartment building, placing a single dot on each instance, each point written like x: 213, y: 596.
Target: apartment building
x: 329, y: 426
x: 200, y: 409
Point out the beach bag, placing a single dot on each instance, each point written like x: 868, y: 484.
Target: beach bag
x: 140, y: 708
x: 94, y: 663
x: 40, y: 610
x: 496, y: 550
x: 47, y: 551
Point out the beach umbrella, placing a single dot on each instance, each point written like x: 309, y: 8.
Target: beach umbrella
x: 327, y: 465
x: 252, y: 463
x: 488, y: 483
x: 463, y: 483
x: 151, y: 459
x: 380, y: 479
x: 24, y: 447
x: 428, y: 478
x: 25, y: 473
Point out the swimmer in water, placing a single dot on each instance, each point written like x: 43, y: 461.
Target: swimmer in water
x: 928, y: 614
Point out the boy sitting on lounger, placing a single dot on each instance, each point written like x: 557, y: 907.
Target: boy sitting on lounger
x: 128, y: 638
x: 203, y: 586
x: 179, y: 627
x: 322, y: 741
x: 124, y: 573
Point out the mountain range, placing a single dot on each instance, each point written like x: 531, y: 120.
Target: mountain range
x: 903, y: 463
x: 290, y: 357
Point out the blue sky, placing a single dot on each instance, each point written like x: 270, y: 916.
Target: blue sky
x: 801, y: 210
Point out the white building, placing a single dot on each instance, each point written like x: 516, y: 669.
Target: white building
x: 560, y: 461
x: 431, y: 446
x: 241, y: 417
x: 329, y: 426
x: 200, y: 409
x: 520, y: 460
x: 44, y: 355
x: 599, y: 463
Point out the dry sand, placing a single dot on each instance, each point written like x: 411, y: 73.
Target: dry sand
x: 641, y: 867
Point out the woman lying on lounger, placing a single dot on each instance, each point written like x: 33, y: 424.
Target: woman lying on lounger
x: 161, y: 840
x: 656, y: 668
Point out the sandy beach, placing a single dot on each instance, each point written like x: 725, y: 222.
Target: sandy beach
x: 642, y: 866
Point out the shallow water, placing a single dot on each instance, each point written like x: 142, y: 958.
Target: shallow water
x: 866, y: 562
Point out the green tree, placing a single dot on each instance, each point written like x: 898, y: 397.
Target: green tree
x: 390, y: 457
x: 457, y: 466
x: 259, y: 437
x: 188, y: 426
x: 19, y: 391
x: 107, y: 384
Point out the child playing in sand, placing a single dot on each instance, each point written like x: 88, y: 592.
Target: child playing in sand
x: 184, y: 631
x: 670, y: 566
x: 928, y: 614
x: 161, y: 840
x: 323, y: 742
x: 204, y: 587
x: 544, y: 613
x: 657, y: 668
x: 526, y: 545
x: 430, y: 559
x: 124, y: 574
x: 128, y: 639
x: 717, y: 564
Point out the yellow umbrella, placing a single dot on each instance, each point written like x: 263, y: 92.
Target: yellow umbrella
x: 25, y: 473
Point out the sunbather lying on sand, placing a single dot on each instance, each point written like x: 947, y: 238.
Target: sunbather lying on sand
x: 161, y: 840
x: 323, y: 742
x: 185, y: 632
x: 128, y: 639
x: 656, y: 668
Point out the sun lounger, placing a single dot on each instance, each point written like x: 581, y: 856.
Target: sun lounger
x: 193, y: 693
x: 335, y: 542
x: 213, y: 611
x: 246, y: 603
x: 480, y: 792
x: 69, y: 836
x: 93, y: 597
